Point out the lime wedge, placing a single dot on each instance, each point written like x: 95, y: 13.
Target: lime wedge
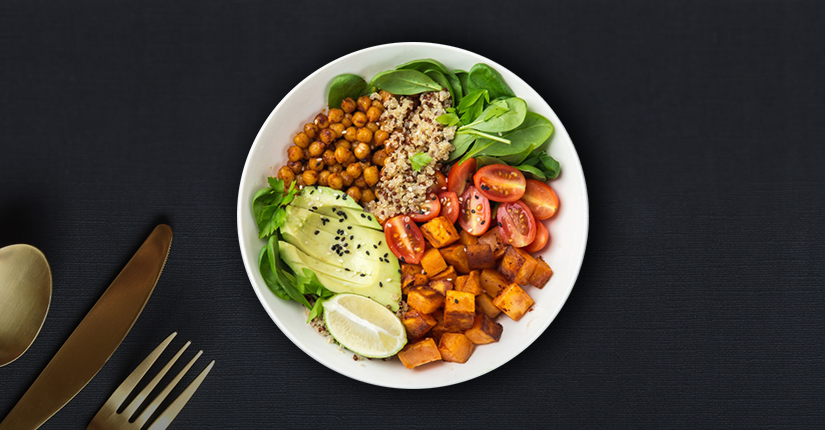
x: 364, y: 326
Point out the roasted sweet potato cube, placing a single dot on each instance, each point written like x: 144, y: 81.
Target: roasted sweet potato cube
x: 441, y: 285
x: 494, y: 239
x: 407, y: 282
x: 484, y: 330
x: 439, y: 329
x: 480, y: 256
x: 541, y: 274
x: 420, y: 280
x: 440, y: 232
x: 517, y: 265
x: 469, y: 283
x: 465, y: 238
x: 448, y: 274
x: 418, y: 353
x: 484, y: 304
x: 456, y: 256
x: 459, y: 310
x: 513, y: 301
x: 492, y: 281
x: 455, y: 347
x: 432, y: 262
x: 417, y: 323
x: 425, y: 299
x: 411, y: 269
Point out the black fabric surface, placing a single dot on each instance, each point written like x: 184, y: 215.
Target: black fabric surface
x: 699, y: 125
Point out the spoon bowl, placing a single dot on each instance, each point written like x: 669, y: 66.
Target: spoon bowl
x: 25, y: 296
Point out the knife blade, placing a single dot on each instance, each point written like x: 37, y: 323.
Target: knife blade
x: 96, y: 338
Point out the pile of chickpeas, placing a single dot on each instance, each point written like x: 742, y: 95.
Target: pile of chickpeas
x: 342, y: 150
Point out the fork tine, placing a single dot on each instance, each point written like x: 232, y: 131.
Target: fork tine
x: 130, y: 410
x: 174, y: 409
x: 147, y: 413
x: 122, y: 392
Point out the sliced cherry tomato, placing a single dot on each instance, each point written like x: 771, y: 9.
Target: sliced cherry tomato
x: 449, y: 205
x: 541, y: 199
x: 474, y: 216
x: 430, y: 209
x: 404, y: 239
x: 500, y: 183
x: 541, y: 238
x: 440, y: 183
x: 518, y: 227
x: 461, y: 176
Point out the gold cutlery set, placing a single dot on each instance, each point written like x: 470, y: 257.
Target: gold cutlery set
x: 91, y: 345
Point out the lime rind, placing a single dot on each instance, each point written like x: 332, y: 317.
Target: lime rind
x: 364, y: 326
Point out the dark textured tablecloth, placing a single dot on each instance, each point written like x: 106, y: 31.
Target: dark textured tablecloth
x: 700, y: 127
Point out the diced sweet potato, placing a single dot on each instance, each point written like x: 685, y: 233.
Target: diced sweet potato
x: 425, y: 299
x: 441, y: 285
x: 410, y: 269
x: 469, y: 283
x: 492, y: 281
x: 497, y: 244
x: 410, y: 281
x: 417, y: 323
x: 480, y: 256
x: 485, y: 305
x: 484, y: 330
x: 456, y: 256
x: 418, y: 353
x: 466, y: 238
x: 420, y: 280
x: 459, y: 310
x: 517, y: 265
x: 541, y: 274
x: 455, y: 347
x: 448, y: 274
x: 432, y: 262
x: 440, y: 232
x: 439, y: 329
x: 513, y: 301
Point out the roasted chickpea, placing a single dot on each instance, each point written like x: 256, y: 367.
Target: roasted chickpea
x: 305, y: 153
x: 316, y: 149
x: 342, y: 154
x: 310, y: 177
x: 329, y: 157
x: 367, y: 196
x: 311, y: 130
x: 286, y: 174
x: 384, y: 95
x: 338, y: 128
x: 355, y: 193
x: 327, y: 136
x: 354, y: 170
x: 361, y: 151
x: 334, y: 180
x: 371, y: 175
x: 373, y: 113
x: 378, y: 157
x: 343, y: 144
x: 347, y: 121
x: 380, y: 137
x: 323, y: 178
x: 348, y: 105
x: 364, y: 103
x: 364, y: 135
x: 295, y: 166
x: 346, y: 178
x: 301, y: 140
x: 335, y: 115
x: 372, y: 126
x: 351, y: 134
x: 316, y: 164
x: 295, y: 153
x: 359, y: 119
x: 321, y: 121
x: 336, y: 168
x: 360, y: 182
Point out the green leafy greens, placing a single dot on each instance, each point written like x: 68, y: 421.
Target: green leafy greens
x: 419, y: 160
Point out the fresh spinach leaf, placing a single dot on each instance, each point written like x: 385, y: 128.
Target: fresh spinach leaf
x: 472, y: 105
x: 343, y: 86
x: 543, y: 162
x: 419, y: 160
x: 500, y: 116
x: 404, y: 82
x: 317, y: 309
x: 461, y: 143
x: 422, y: 65
x: 455, y: 83
x: 482, y: 76
x: 270, y: 279
x: 462, y: 78
x: 484, y: 160
x: 532, y: 172
x: 528, y: 136
x: 449, y: 119
x: 441, y: 80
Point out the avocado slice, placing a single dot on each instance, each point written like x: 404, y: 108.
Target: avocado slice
x: 354, y: 216
x: 327, y: 196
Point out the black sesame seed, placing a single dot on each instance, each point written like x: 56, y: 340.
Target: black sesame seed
x: 363, y: 275
x: 379, y: 243
x: 359, y: 246
x: 316, y: 231
x: 381, y: 284
x: 375, y: 246
x: 349, y: 227
x: 351, y: 237
x: 368, y: 253
x: 472, y: 211
x: 403, y: 260
x: 315, y: 208
x: 483, y: 221
x: 499, y: 224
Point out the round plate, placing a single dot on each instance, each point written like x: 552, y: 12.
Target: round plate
x: 568, y: 229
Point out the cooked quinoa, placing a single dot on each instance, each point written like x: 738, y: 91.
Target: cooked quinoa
x: 411, y: 122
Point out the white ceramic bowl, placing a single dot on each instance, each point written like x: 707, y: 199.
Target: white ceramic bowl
x: 568, y: 229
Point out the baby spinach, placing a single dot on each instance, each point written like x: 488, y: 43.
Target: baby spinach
x: 343, y: 86
x: 450, y: 118
x: 502, y: 115
x: 455, y: 83
x: 531, y: 134
x: 422, y: 65
x: 441, y: 80
x: 404, y: 82
x: 461, y: 143
x: 482, y: 76
x: 462, y: 78
x: 541, y: 161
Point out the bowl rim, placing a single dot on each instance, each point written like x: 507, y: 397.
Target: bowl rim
x: 580, y: 252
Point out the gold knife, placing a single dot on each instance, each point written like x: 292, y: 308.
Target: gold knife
x: 96, y: 337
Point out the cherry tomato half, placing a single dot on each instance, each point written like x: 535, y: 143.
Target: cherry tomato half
x: 518, y: 227
x: 500, y: 183
x: 449, y: 205
x: 440, y: 183
x: 404, y: 239
x: 541, y: 238
x: 461, y: 176
x: 429, y: 210
x: 541, y: 199
x: 474, y: 216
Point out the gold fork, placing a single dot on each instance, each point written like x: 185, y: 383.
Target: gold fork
x: 109, y: 419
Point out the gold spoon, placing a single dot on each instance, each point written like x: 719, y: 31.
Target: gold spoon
x: 25, y: 296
